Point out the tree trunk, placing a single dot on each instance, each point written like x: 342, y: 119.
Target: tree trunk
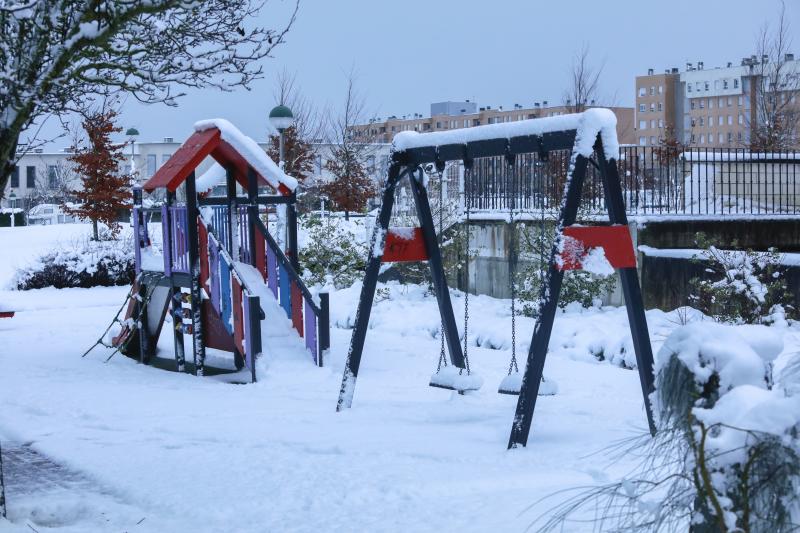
x: 346, y: 215
x: 94, y: 230
x: 8, y: 148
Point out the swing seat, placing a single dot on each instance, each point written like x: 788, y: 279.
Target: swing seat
x: 451, y: 378
x: 512, y: 384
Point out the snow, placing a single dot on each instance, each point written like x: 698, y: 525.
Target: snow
x: 135, y: 448
x: 588, y: 125
x: 595, y: 262
x: 249, y: 149
x: 210, y: 178
x: 785, y: 259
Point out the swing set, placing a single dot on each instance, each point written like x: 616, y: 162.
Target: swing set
x: 591, y: 138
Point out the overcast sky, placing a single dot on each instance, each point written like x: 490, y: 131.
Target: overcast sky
x: 410, y: 53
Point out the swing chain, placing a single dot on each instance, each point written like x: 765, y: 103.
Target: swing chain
x: 512, y: 366
x: 442, y: 354
x: 467, y: 201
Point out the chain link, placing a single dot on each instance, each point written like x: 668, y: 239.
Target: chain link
x: 512, y: 365
x: 442, y: 355
x: 467, y: 201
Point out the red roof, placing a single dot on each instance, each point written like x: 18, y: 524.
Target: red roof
x: 191, y: 153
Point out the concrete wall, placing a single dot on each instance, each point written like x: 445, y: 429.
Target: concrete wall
x: 665, y: 281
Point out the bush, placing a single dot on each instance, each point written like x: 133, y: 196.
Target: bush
x: 747, y: 287
x: 578, y: 286
x: 88, y: 264
x: 331, y: 254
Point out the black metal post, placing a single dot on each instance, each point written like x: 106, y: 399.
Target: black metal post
x: 324, y: 319
x: 437, y: 269
x: 631, y: 290
x: 548, y: 302
x: 252, y: 212
x: 198, y: 346
x: 291, y: 222
x: 254, y: 347
x: 230, y: 189
x: 368, y: 290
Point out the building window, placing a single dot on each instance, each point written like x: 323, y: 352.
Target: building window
x: 642, y: 124
x: 642, y: 141
x: 642, y: 91
x: 694, y: 122
x: 692, y: 104
x: 15, y: 177
x: 721, y: 103
x: 697, y: 86
x: 720, y: 120
x: 318, y: 164
x: 692, y: 138
x: 702, y: 104
x: 688, y: 87
x: 52, y: 176
x: 30, y: 177
x: 740, y: 102
x: 741, y: 119
x: 705, y: 85
x: 652, y: 90
x: 652, y: 107
x: 739, y: 136
x: 641, y: 108
x: 730, y: 137
x: 721, y: 138
x: 725, y: 84
x: 660, y: 106
x: 711, y: 103
x: 702, y: 121
x: 730, y: 101
x: 652, y: 141
x: 151, y: 164
x: 660, y: 89
x: 438, y: 125
x: 653, y: 123
x: 735, y: 83
x: 730, y: 120
x: 660, y: 123
x: 702, y: 139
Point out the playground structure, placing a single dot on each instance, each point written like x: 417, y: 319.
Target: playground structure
x: 591, y: 138
x: 218, y: 263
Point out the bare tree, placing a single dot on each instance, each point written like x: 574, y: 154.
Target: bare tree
x: 351, y: 151
x: 777, y: 86
x: 54, y: 184
x: 584, y: 82
x: 57, y: 54
x: 309, y: 122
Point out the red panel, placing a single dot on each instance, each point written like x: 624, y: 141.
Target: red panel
x: 402, y: 247
x: 615, y: 241
x: 184, y: 160
x: 261, y: 255
x: 202, y: 235
x: 6, y: 314
x: 214, y: 333
x: 296, y: 298
x: 238, y: 315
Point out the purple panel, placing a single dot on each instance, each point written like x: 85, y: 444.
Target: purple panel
x: 167, y: 241
x: 213, y: 260
x: 180, y: 260
x: 137, y: 242
x: 311, y: 330
x: 272, y: 272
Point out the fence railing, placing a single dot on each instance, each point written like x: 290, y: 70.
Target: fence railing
x: 655, y: 181
x: 309, y: 319
x: 236, y: 304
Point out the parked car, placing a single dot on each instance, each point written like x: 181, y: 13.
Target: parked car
x: 48, y: 214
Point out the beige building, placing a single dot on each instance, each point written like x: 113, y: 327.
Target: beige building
x: 456, y: 115
x: 656, y: 110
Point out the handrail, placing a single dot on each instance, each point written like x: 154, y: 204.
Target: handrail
x: 228, y: 259
x: 287, y: 265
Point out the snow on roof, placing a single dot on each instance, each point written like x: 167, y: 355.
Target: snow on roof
x: 587, y: 124
x: 249, y: 149
x: 210, y: 178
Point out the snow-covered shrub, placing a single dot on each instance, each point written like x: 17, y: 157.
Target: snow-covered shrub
x: 726, y: 455
x: 581, y: 286
x: 331, y: 254
x: 746, y: 286
x: 85, y: 264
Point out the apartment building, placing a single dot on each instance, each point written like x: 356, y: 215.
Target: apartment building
x: 455, y: 115
x: 658, y: 101
x: 708, y: 108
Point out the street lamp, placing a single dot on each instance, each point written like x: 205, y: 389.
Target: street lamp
x: 132, y: 133
x: 281, y: 118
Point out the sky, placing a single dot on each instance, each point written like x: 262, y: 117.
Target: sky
x: 407, y: 54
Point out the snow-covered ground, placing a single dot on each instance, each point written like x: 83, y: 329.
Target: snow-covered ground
x: 91, y: 446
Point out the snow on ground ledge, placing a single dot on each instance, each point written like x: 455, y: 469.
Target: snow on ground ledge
x: 150, y: 450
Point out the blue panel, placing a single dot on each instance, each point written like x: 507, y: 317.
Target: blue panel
x: 225, y: 302
x: 285, y: 295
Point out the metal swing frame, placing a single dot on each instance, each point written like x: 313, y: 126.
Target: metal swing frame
x: 409, y: 161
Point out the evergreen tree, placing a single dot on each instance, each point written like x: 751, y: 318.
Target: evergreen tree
x: 298, y: 157
x: 105, y: 190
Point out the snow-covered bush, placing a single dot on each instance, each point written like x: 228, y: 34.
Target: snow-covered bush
x: 746, y: 286
x: 85, y: 264
x: 331, y: 254
x: 581, y: 286
x: 726, y: 455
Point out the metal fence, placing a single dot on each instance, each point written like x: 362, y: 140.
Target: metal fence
x: 655, y: 181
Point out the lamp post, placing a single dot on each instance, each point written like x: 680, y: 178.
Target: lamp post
x: 132, y: 133
x: 281, y: 118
